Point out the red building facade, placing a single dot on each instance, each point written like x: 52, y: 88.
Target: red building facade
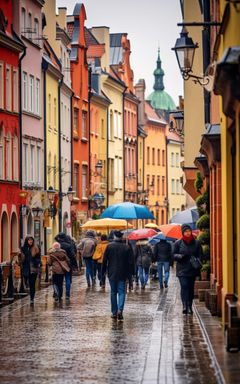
x: 10, y: 200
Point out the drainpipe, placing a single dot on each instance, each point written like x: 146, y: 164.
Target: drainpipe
x: 44, y: 68
x: 60, y: 157
x: 20, y: 136
x: 107, y: 152
x: 89, y: 134
x: 206, y: 56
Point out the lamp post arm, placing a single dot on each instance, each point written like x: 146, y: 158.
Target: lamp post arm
x: 206, y: 24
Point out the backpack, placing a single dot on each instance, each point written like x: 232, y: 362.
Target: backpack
x: 88, y: 249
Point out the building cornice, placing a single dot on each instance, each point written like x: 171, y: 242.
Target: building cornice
x: 9, y: 42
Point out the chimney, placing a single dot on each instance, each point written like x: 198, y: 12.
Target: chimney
x: 140, y: 93
x: 102, y: 36
x: 62, y: 17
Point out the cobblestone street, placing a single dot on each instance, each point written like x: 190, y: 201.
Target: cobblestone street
x: 80, y: 343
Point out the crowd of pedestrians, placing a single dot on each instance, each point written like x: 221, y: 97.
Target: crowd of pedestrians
x: 122, y: 262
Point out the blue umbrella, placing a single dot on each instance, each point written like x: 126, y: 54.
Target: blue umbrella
x: 160, y: 236
x: 188, y: 216
x: 127, y: 211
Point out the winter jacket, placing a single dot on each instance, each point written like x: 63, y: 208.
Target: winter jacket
x: 30, y: 259
x: 87, y: 247
x: 67, y: 246
x: 182, y: 253
x: 99, y: 251
x: 144, y: 255
x: 163, y: 251
x: 59, y: 261
x: 117, y: 261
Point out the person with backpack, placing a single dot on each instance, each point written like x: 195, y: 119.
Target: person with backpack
x: 30, y: 260
x: 144, y: 258
x: 67, y: 245
x: 57, y: 258
x: 163, y: 257
x: 87, y: 248
x: 98, y: 259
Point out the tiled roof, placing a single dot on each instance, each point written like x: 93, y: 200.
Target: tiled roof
x: 90, y: 38
x: 95, y: 50
x: 70, y: 28
x: 174, y: 136
x: 152, y: 115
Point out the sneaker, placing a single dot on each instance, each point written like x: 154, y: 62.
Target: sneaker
x: 143, y: 286
x: 114, y: 316
x: 185, y: 311
x: 88, y: 283
x: 32, y: 302
x: 120, y: 315
x: 56, y: 299
x: 165, y: 285
x: 67, y: 298
x: 190, y: 311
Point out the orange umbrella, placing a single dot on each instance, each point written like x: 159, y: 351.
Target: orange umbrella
x: 171, y: 230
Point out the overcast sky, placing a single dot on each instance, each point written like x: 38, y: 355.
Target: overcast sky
x: 149, y: 23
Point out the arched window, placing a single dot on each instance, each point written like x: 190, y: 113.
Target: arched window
x: 49, y: 169
x: 8, y: 157
x: 30, y: 225
x: 15, y: 158
x: 14, y: 233
x: 55, y: 172
x: 4, y: 237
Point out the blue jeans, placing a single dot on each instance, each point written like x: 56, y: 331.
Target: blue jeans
x: 89, y: 268
x: 143, y: 275
x: 68, y: 282
x: 118, y: 293
x: 166, y: 266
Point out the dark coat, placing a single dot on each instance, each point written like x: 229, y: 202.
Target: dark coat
x: 182, y: 253
x: 144, y: 255
x: 117, y: 261
x: 30, y: 258
x: 67, y: 246
x: 163, y: 252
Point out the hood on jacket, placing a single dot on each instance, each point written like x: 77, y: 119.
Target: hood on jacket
x: 59, y: 253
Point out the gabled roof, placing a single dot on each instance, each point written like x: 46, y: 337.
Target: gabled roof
x: 173, y: 136
x: 152, y: 116
x: 90, y: 38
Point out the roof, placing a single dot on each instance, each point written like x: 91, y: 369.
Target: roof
x: 90, y: 38
x: 161, y: 100
x: 152, y: 115
x: 174, y: 137
x: 116, y: 50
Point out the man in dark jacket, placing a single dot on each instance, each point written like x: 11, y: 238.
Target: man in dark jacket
x: 117, y: 262
x: 163, y: 256
x: 67, y: 246
x: 184, y: 248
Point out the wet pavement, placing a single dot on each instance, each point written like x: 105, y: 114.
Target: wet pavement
x: 80, y: 343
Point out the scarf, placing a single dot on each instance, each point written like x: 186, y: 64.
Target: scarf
x: 188, y: 240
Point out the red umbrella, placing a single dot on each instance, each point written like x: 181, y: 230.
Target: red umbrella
x: 144, y: 233
x: 171, y: 230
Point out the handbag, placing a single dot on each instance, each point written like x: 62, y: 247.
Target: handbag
x: 195, y: 262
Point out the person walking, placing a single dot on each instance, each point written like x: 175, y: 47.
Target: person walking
x: 144, y: 258
x: 163, y: 255
x: 87, y: 248
x: 67, y: 245
x: 117, y: 262
x: 30, y: 260
x: 185, y: 251
x: 57, y: 258
x: 98, y: 258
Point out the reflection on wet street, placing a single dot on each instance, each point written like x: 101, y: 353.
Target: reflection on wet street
x: 80, y: 343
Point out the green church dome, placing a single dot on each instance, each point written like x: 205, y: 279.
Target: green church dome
x: 159, y: 99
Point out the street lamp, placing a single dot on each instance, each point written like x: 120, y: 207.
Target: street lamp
x: 99, y: 167
x: 37, y: 211
x: 185, y: 49
x: 178, y: 116
x: 51, y: 194
x: 70, y: 194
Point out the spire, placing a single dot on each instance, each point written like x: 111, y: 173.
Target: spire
x: 158, y: 74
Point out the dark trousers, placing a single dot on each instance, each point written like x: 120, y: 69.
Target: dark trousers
x: 187, y: 290
x: 31, y: 280
x: 101, y: 276
x: 57, y: 280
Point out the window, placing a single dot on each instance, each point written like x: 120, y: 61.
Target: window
x: 102, y: 129
x: 32, y: 162
x: 153, y: 156
x: 116, y: 175
x: 25, y: 91
x: 8, y: 88
x: 55, y: 172
x: 163, y: 185
x: 115, y: 127
x: 140, y: 150
x: 36, y: 30
x: 29, y: 26
x: 55, y: 113
x: 153, y: 185
x: 25, y: 163
x: 148, y: 155
x: 75, y: 121
x: 177, y: 159
x: 24, y: 26
x: 15, y: 158
x: 158, y: 157
x: 172, y: 159
x: 31, y: 93
x: 1, y: 154
x: 49, y: 110
x: 177, y: 187
x: 173, y: 211
x: 111, y: 174
x: 65, y: 119
x: 84, y: 181
x: 148, y: 182
x: 37, y: 97
x: 1, y: 86
x: 158, y: 185
x: 119, y: 125
x: 8, y: 158
x: 15, y: 90
x: 173, y: 186
x: 120, y: 173
x: 38, y: 165
x: 84, y: 125
x: 110, y: 126
x: 163, y: 157
x: 76, y: 179
x: 96, y: 123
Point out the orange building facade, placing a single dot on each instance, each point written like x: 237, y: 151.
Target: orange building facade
x: 80, y: 116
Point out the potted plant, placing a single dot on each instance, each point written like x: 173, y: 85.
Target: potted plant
x: 205, y: 271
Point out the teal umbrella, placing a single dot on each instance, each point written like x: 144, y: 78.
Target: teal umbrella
x: 127, y: 211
